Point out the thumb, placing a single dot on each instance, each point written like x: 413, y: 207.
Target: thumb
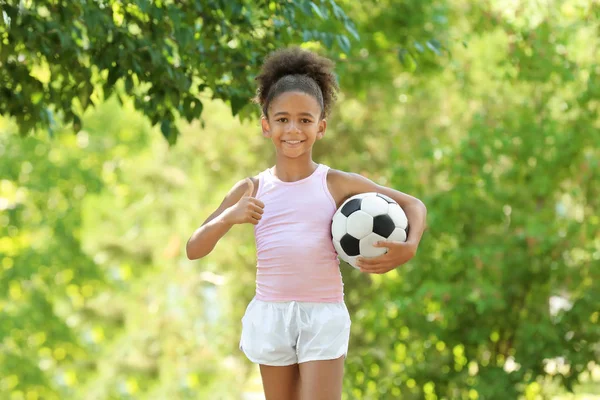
x: 250, y: 188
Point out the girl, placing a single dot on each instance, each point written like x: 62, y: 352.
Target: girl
x: 297, y: 326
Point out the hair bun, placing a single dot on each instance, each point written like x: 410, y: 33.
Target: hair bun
x: 297, y: 61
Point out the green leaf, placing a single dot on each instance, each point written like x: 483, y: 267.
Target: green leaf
x: 317, y: 10
x: 407, y: 59
x: 305, y: 6
x: 402, y: 55
x: 337, y: 10
x: 237, y: 103
x: 76, y: 123
x: 306, y: 35
x: 84, y: 95
x: 435, y: 46
x: 349, y: 25
x: 327, y: 39
x: 165, y: 128
x: 344, y: 43
x: 192, y: 108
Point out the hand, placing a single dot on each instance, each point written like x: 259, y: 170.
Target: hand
x: 398, y: 253
x: 247, y: 210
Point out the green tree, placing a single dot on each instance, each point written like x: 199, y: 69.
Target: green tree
x: 501, y: 144
x: 45, y: 273
x: 57, y: 58
x: 503, y: 148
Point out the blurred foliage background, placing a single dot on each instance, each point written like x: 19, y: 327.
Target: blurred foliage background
x: 487, y: 111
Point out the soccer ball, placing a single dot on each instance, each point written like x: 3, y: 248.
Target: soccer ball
x: 364, y: 219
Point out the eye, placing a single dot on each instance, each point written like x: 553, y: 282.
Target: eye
x: 306, y: 121
x: 282, y: 120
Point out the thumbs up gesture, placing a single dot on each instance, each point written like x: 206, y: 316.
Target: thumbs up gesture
x: 248, y: 209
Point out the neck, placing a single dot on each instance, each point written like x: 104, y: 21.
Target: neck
x: 291, y: 170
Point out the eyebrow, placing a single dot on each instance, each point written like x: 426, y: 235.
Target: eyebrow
x: 304, y: 114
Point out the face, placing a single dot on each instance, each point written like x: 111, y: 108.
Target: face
x: 294, y: 124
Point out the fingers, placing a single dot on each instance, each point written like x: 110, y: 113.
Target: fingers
x: 257, y: 203
x: 255, y: 207
x: 372, y: 261
x: 250, y: 190
x: 374, y: 265
x: 388, y: 243
x: 381, y: 243
x: 255, y: 217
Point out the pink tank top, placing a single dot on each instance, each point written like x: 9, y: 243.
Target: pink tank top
x: 296, y: 258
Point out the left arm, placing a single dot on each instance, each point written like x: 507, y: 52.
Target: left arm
x: 343, y: 185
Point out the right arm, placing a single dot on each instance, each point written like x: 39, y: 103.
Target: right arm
x: 237, y: 207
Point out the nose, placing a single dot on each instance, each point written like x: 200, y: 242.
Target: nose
x: 293, y: 127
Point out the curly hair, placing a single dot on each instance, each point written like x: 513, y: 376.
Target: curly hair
x: 295, y: 69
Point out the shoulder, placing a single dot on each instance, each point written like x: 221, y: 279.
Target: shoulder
x: 243, y: 185
x: 344, y: 184
x: 348, y: 180
x: 335, y: 177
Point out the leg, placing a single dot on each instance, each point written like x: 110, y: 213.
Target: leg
x: 322, y: 380
x: 280, y: 383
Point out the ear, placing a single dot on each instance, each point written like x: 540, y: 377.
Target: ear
x: 266, y: 129
x: 322, y: 128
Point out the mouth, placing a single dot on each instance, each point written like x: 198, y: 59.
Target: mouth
x: 293, y: 142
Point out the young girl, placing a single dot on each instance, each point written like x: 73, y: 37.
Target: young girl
x: 297, y: 326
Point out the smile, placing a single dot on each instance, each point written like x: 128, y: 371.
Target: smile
x: 292, y: 141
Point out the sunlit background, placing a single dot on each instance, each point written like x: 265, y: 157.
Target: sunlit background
x: 487, y: 111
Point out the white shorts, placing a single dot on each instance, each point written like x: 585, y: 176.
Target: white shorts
x: 286, y: 333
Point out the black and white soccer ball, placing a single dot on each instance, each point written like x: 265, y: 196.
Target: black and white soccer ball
x: 364, y: 219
